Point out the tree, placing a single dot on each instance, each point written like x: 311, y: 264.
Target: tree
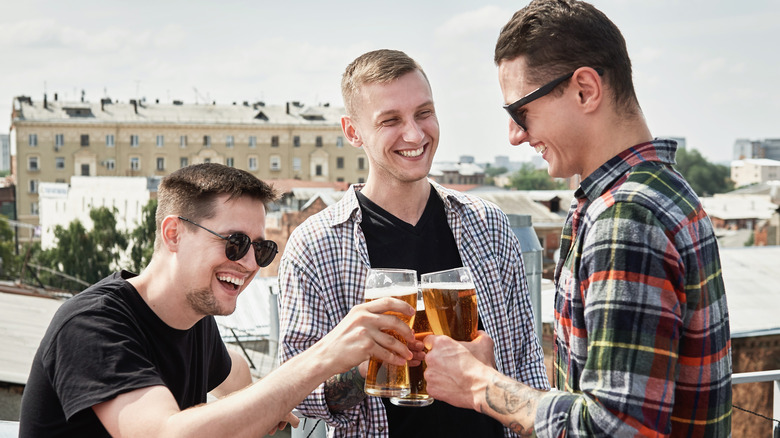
x: 705, y: 178
x: 87, y: 255
x: 142, y: 237
x: 9, y: 261
x: 530, y: 178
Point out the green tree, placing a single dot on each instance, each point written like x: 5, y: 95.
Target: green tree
x: 9, y: 261
x: 530, y: 178
x: 142, y: 237
x: 87, y: 255
x: 705, y: 178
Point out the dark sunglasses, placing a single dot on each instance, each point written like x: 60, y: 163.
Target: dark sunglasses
x: 237, y: 245
x: 514, y: 108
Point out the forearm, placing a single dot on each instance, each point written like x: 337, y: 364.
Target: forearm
x: 344, y: 391
x: 512, y: 403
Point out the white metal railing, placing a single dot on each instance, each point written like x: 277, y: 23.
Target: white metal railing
x: 764, y: 376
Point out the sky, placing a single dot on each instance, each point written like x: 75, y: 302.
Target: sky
x: 704, y: 70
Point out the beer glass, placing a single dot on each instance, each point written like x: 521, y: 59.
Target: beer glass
x: 383, y: 379
x: 418, y: 395
x: 451, y: 303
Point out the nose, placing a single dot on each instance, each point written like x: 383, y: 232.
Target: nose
x: 517, y: 135
x: 249, y: 260
x: 413, y: 132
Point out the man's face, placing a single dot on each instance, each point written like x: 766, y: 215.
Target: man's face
x: 211, y: 282
x: 549, y: 120
x: 396, y: 125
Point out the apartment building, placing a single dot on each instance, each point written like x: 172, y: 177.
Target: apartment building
x: 754, y: 171
x: 55, y: 140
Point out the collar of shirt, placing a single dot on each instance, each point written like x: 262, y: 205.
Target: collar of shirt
x: 662, y: 151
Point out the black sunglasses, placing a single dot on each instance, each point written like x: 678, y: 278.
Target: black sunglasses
x: 514, y: 108
x: 237, y: 245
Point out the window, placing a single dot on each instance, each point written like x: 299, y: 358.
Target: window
x: 110, y: 164
x: 297, y: 141
x: 207, y: 140
x: 110, y: 140
x: 34, y: 208
x: 32, y: 140
x: 275, y: 141
x: 84, y: 140
x: 59, y: 141
x: 33, y: 186
x: 160, y: 141
x: 229, y: 162
x: 32, y: 164
x: 85, y: 170
x: 183, y: 162
x: 252, y: 141
x: 361, y: 163
x: 340, y: 141
x: 59, y: 163
x: 160, y: 163
x: 276, y: 163
x: 134, y: 141
x: 296, y: 164
x: 318, y: 170
x: 318, y: 141
x: 339, y: 162
x: 252, y: 163
x: 361, y: 180
x: 183, y: 141
x: 207, y: 160
x: 135, y: 163
x: 229, y: 141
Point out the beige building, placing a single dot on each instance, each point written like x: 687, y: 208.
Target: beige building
x: 754, y: 171
x: 54, y: 140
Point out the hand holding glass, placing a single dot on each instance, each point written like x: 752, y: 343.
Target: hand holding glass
x: 451, y: 303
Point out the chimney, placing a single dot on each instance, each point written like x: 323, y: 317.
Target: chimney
x: 288, y: 107
x: 45, y: 102
x: 55, y: 97
x: 135, y: 105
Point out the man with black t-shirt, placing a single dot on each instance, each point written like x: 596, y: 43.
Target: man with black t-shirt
x: 129, y: 355
x: 400, y: 219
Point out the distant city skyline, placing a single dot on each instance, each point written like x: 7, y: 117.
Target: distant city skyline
x: 704, y: 71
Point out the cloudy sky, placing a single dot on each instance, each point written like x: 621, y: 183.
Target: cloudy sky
x: 704, y: 70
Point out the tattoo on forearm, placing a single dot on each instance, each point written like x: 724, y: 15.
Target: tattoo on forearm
x: 345, y: 390
x: 509, y: 398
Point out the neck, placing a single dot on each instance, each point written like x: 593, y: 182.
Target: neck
x: 157, y: 287
x: 614, y: 137
x: 406, y: 201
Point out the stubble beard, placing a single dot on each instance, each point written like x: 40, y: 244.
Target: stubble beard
x: 202, y: 301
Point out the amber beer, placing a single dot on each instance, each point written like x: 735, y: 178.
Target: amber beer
x: 451, y: 303
x: 383, y: 379
x: 418, y: 395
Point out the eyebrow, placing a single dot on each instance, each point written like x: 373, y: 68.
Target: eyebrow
x: 392, y: 112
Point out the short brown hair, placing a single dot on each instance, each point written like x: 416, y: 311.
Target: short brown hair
x: 557, y: 37
x: 192, y: 190
x: 379, y: 66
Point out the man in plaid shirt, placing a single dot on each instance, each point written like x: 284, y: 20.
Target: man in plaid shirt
x: 642, y: 343
x: 400, y: 219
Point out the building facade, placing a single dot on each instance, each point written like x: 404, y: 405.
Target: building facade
x: 56, y: 140
x: 767, y: 148
x: 5, y: 152
x: 754, y: 171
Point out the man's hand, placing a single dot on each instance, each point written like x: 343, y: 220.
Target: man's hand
x: 363, y: 334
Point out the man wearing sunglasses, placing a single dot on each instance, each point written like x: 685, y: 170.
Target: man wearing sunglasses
x: 133, y: 356
x: 642, y: 342
x: 400, y: 219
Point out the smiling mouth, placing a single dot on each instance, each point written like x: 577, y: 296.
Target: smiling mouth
x: 540, y: 148
x: 234, y: 282
x: 413, y: 152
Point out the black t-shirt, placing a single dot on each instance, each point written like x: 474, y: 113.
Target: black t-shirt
x: 106, y: 341
x: 428, y: 246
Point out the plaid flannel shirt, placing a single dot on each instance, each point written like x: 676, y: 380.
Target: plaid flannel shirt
x: 322, y: 274
x: 642, y: 341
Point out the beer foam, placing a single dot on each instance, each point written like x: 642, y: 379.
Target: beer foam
x: 391, y: 291
x: 448, y: 286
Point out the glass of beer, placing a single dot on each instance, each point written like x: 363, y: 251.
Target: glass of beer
x: 383, y: 379
x: 418, y: 395
x: 451, y: 303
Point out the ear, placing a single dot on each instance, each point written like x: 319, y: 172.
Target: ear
x: 350, y: 131
x: 172, y: 228
x: 590, y: 88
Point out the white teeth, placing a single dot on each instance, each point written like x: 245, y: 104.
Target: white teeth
x: 227, y: 279
x: 540, y: 148
x: 412, y: 154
